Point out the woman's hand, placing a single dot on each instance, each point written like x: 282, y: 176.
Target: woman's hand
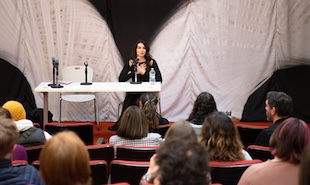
x: 141, y: 68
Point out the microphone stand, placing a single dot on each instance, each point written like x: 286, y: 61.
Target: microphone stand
x: 53, y: 62
x: 56, y: 85
x: 135, y: 69
x: 86, y: 83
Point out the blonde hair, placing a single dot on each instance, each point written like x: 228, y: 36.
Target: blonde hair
x: 64, y: 160
x: 181, y: 130
x: 8, y: 136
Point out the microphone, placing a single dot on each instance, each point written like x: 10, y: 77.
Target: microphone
x: 136, y: 61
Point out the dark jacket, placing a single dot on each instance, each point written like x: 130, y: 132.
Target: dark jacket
x: 18, y: 175
x: 31, y: 137
x: 264, y: 136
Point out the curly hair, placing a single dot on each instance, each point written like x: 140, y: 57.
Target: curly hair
x: 221, y: 138
x: 203, y: 106
x: 182, y: 162
x: 149, y: 104
x: 289, y: 140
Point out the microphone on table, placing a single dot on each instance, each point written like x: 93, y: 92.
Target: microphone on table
x: 86, y: 83
x: 56, y: 64
x: 53, y: 62
x: 135, y: 62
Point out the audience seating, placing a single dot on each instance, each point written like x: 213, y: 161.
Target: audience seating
x: 135, y: 153
x: 260, y: 152
x: 19, y: 162
x: 164, y: 128
x: 101, y: 152
x: 83, y: 130
x: 99, y: 169
x: 33, y: 152
x: 229, y: 173
x: 249, y: 131
x: 128, y: 171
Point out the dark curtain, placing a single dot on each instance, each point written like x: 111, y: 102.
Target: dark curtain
x: 293, y: 81
x: 14, y: 86
x: 130, y: 20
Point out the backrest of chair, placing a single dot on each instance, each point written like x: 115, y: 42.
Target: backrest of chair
x: 33, y: 152
x: 36, y: 164
x: 19, y: 162
x: 83, y: 130
x: 76, y: 74
x: 260, y: 152
x: 128, y: 171
x: 135, y: 153
x: 99, y: 170
x: 101, y: 152
x: 229, y: 173
x: 248, y: 134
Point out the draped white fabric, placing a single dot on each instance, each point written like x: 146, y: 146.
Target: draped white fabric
x: 226, y: 47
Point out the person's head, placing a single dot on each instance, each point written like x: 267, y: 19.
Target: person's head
x: 278, y: 105
x: 141, y: 49
x: 182, y: 162
x: 16, y: 110
x: 4, y: 113
x: 64, y: 160
x: 203, y: 106
x: 133, y: 124
x: 181, y: 130
x: 148, y: 103
x: 221, y: 138
x: 304, y: 171
x: 289, y: 140
x: 8, y: 137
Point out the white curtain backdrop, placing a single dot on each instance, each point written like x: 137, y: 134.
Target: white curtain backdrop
x: 225, y: 47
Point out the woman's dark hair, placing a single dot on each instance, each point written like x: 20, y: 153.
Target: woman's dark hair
x: 203, y: 106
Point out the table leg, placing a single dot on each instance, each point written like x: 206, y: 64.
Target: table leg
x: 45, y: 109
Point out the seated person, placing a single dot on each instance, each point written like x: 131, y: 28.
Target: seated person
x: 29, y: 134
x: 25, y: 174
x: 287, y: 144
x: 182, y: 162
x: 203, y: 106
x: 278, y: 107
x: 221, y: 138
x: 148, y: 103
x: 181, y: 130
x: 19, y: 153
x: 64, y: 160
x: 134, y: 130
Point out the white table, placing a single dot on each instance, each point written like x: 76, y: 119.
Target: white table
x: 95, y: 87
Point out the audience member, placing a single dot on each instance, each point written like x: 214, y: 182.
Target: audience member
x: 29, y: 135
x: 287, y: 145
x: 278, y: 107
x: 304, y: 178
x: 221, y: 138
x: 134, y: 130
x: 25, y: 174
x: 203, y: 106
x: 148, y: 103
x: 19, y: 153
x: 181, y: 162
x: 181, y: 130
x: 64, y: 160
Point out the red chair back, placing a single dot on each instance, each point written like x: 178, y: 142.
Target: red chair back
x: 260, y: 152
x: 101, y: 152
x: 135, y: 153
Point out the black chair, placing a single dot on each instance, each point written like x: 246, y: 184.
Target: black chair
x: 99, y: 171
x: 248, y: 133
x: 229, y: 173
x: 33, y: 152
x: 135, y: 153
x: 19, y: 163
x: 83, y: 130
x: 128, y: 171
x: 101, y: 152
x: 260, y: 152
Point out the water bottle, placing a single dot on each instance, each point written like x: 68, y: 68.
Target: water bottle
x: 152, y: 78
